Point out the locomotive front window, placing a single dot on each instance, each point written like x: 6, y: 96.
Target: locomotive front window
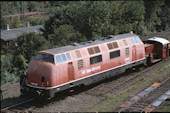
x: 135, y: 40
x: 138, y: 40
x: 132, y: 40
x: 48, y: 58
x: 38, y: 56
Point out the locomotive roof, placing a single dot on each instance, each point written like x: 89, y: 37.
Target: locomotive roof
x: 88, y: 43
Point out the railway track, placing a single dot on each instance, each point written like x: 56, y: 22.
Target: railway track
x: 149, y: 99
x: 6, y: 109
x: 157, y: 102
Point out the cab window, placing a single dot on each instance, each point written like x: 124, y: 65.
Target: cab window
x: 48, y: 58
x: 138, y: 40
x: 38, y: 57
x: 132, y: 40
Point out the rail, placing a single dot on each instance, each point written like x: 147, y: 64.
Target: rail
x: 136, y: 104
x: 26, y: 101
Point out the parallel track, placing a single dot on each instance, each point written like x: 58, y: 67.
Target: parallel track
x: 144, y: 104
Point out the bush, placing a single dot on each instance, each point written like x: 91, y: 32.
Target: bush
x: 7, y: 77
x: 7, y: 70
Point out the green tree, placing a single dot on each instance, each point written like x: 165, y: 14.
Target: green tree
x: 127, y: 16
x: 164, y: 16
x: 15, y: 23
x: 66, y: 34
x: 27, y: 45
x: 153, y: 9
x: 91, y: 19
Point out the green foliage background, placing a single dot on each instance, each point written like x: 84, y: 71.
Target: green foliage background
x: 76, y: 21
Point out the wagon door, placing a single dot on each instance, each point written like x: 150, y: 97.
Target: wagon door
x: 70, y: 71
x: 134, y: 53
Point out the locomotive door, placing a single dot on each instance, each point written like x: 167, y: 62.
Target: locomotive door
x: 70, y: 71
x: 134, y: 53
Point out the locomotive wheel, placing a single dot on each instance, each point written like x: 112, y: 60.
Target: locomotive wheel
x: 137, y: 68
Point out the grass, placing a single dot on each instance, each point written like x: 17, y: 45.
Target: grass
x: 113, y: 101
x: 166, y: 108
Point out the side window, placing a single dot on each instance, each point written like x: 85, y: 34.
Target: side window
x: 127, y: 51
x: 95, y: 59
x: 164, y: 46
x: 63, y: 57
x: 68, y: 56
x: 80, y: 63
x: 58, y: 59
x: 114, y: 54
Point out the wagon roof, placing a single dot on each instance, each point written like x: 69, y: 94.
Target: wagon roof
x: 88, y: 43
x: 158, y: 39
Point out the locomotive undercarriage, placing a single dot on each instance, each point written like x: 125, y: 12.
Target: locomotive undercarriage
x: 36, y: 93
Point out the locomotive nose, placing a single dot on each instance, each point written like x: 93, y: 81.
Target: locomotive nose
x: 40, y: 73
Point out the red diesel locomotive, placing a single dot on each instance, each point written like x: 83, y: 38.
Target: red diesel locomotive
x: 60, y: 68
